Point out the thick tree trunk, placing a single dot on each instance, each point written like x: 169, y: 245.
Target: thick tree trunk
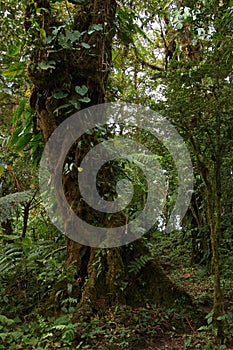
x: 103, y: 276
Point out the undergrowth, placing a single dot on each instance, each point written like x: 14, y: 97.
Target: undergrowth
x: 39, y: 301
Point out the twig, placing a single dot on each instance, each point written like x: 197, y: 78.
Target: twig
x: 191, y: 327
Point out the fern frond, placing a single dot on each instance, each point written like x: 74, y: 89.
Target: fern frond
x: 137, y: 264
x: 10, y: 259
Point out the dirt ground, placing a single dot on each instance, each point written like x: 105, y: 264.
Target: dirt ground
x: 176, y: 342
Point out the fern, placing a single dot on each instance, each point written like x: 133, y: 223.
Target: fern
x: 42, y: 323
x: 10, y: 258
x: 59, y: 327
x: 137, y: 264
x: 69, y: 334
x: 66, y: 327
x: 23, y: 254
x: 70, y: 300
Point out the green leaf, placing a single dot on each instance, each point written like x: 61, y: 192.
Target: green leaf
x: 85, y: 99
x: 81, y: 90
x: 26, y: 241
x: 43, y: 33
x: 19, y: 111
x: 73, y: 36
x: 6, y: 321
x: 75, y: 103
x: 69, y: 288
x: 64, y: 42
x: 85, y: 45
x: 13, y: 50
x: 15, y: 135
x: 1, y: 170
x: 22, y: 142
x: 61, y: 107
x: 94, y: 28
x: 47, y: 65
x: 15, y: 70
x: 60, y: 94
x: 23, y: 129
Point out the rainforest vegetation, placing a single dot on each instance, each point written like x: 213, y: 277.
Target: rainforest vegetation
x: 167, y: 289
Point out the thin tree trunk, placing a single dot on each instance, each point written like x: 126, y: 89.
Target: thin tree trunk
x: 216, y: 235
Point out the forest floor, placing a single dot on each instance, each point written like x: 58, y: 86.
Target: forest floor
x: 26, y: 324
x: 176, y: 328
x: 197, y: 281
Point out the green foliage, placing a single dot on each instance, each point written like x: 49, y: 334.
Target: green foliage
x: 44, y: 65
x: 23, y: 138
x: 173, y: 56
x: 15, y: 70
x: 81, y: 90
x: 136, y: 265
x: 10, y: 258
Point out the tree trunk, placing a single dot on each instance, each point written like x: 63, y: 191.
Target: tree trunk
x: 215, y: 219
x: 103, y: 275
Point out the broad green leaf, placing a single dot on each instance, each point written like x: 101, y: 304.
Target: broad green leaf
x: 81, y: 90
x: 73, y: 36
x: 60, y: 94
x: 47, y: 65
x: 94, y: 28
x: 23, y: 129
x: 22, y: 142
x: 19, y: 110
x: 64, y: 42
x: 85, y: 99
x: 85, y: 45
x: 36, y: 138
x: 75, y: 103
x: 15, y: 135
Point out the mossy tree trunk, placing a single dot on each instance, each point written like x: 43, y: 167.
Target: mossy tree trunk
x: 103, y: 275
x: 215, y: 221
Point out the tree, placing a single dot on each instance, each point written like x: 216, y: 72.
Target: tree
x: 71, y: 49
x: 198, y: 91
